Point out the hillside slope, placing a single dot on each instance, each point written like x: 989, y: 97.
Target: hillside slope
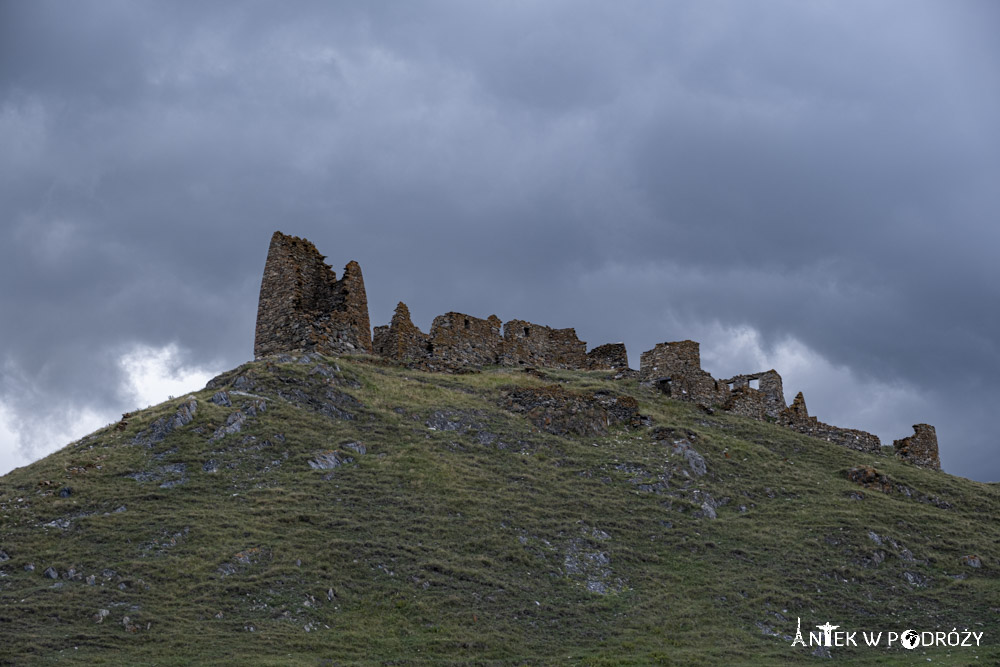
x: 347, y: 510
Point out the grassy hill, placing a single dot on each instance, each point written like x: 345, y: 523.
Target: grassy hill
x: 322, y: 511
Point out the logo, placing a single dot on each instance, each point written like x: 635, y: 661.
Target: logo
x: 908, y: 639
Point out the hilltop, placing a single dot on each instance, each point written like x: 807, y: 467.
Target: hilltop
x: 304, y: 508
x: 485, y: 493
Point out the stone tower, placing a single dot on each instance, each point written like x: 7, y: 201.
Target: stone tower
x: 304, y: 307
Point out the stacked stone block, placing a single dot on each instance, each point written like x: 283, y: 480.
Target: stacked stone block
x: 608, y: 357
x: 921, y: 448
x: 466, y: 340
x: 676, y: 369
x: 303, y: 306
x: 796, y: 417
x: 528, y: 344
x: 400, y: 339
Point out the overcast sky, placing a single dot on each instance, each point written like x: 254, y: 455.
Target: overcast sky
x: 809, y: 186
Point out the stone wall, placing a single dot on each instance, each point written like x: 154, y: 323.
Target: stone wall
x: 747, y: 402
x: 462, y: 339
x: 796, y: 417
x: 608, y: 357
x: 921, y: 448
x: 400, y: 339
x: 769, y: 384
x: 303, y: 306
x: 528, y: 344
x: 676, y: 369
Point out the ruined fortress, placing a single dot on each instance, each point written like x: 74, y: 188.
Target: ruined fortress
x: 303, y: 307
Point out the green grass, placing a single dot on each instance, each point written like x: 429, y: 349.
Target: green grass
x: 435, y: 548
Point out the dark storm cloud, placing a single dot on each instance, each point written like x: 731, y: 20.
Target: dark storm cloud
x: 819, y: 174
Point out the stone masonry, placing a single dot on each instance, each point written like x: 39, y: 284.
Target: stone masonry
x: 400, y: 339
x: 796, y: 417
x: 921, y: 448
x: 609, y: 357
x: 747, y: 402
x: 303, y: 306
x: 769, y: 385
x: 676, y: 369
x: 465, y: 340
x: 528, y: 344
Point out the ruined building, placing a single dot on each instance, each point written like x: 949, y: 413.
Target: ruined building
x: 921, y: 448
x: 303, y: 307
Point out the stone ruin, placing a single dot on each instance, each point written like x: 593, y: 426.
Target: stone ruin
x: 797, y: 418
x: 921, y: 448
x: 303, y: 307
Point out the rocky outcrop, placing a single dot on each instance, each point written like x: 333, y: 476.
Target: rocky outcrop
x: 561, y: 411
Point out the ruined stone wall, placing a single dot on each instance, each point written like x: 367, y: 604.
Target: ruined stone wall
x: 921, y: 448
x: 303, y: 306
x: 769, y: 384
x: 797, y: 418
x: 747, y: 402
x: 610, y: 357
x: 528, y: 344
x: 462, y: 339
x: 676, y: 369
x: 400, y: 339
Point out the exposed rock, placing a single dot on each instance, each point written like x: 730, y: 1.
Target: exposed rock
x: 222, y: 398
x: 357, y: 447
x: 50, y: 573
x: 972, y: 561
x: 872, y: 478
x: 164, y: 426
x: 561, y: 411
x: 329, y: 460
x: 171, y: 475
x: 332, y: 403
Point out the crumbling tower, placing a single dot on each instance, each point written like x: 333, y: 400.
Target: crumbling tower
x: 921, y: 448
x: 304, y: 307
